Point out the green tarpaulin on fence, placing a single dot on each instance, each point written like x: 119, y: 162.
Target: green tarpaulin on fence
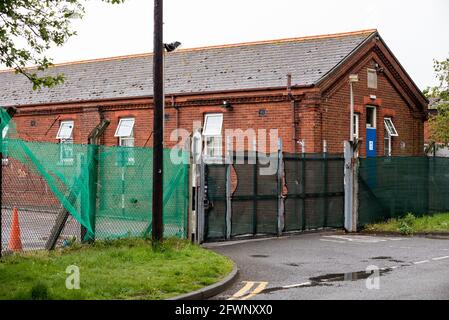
x: 108, y: 190
x: 391, y: 187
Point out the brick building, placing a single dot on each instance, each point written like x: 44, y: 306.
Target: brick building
x: 298, y: 86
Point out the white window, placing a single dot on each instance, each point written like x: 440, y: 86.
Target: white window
x: 213, y: 147
x: 389, y: 126
x: 212, y: 132
x: 125, y: 134
x: 371, y: 117
x: 387, y: 143
x: 213, y: 124
x: 5, y: 131
x: 65, y: 136
x: 372, y: 78
x: 125, y: 128
x: 355, y: 129
x: 65, y: 130
x: 5, y: 146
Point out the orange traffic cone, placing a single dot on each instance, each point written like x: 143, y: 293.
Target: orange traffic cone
x: 15, y: 244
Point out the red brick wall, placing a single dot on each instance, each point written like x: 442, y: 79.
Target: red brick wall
x: 335, y: 110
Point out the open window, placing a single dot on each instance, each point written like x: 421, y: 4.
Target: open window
x: 212, y: 133
x: 389, y: 126
x: 65, y: 136
x: 389, y: 132
x: 125, y: 135
x: 5, y: 146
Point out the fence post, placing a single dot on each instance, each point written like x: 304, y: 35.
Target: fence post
x: 280, y: 177
x: 326, y: 182
x: 228, y: 164
x: 200, y: 201
x: 303, y: 183
x: 351, y: 188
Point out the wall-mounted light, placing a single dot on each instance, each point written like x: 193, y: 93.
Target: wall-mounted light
x: 378, y: 68
x: 227, y: 105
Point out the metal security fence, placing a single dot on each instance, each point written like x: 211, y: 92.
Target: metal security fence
x: 315, y: 191
x: 394, y: 186
x: 53, y: 194
x: 269, y: 194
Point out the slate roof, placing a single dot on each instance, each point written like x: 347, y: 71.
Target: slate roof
x: 257, y: 65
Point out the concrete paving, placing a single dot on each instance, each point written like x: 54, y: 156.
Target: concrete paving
x: 338, y: 266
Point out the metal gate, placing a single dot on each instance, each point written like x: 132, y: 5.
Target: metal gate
x: 244, y: 198
x: 315, y: 191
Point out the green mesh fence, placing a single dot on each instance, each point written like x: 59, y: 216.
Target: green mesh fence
x: 107, y: 190
x: 392, y: 187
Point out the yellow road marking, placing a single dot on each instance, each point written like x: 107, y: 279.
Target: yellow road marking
x: 259, y: 289
x: 246, y: 293
x: 243, y: 291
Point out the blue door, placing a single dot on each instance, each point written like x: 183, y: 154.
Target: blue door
x: 371, y: 150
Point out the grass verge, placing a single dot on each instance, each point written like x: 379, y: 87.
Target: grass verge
x: 119, y: 269
x: 411, y: 224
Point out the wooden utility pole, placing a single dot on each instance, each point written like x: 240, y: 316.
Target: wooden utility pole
x: 158, y: 122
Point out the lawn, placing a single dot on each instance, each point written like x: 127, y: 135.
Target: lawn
x: 120, y: 269
x: 411, y: 224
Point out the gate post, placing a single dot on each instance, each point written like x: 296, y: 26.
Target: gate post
x: 351, y: 187
x: 348, y: 181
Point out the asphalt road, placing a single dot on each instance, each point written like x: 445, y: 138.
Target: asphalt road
x: 334, y: 266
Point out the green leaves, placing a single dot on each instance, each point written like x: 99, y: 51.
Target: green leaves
x: 30, y: 27
x: 439, y: 124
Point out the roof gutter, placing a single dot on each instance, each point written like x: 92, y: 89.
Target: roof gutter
x: 168, y: 95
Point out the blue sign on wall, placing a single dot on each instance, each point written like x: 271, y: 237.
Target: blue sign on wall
x: 371, y: 150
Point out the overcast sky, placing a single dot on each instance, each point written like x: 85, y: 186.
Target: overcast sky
x: 415, y: 30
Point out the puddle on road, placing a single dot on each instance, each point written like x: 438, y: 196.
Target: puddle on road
x: 259, y: 256
x: 351, y: 276
x: 292, y: 264
x: 327, y: 280
x: 387, y: 258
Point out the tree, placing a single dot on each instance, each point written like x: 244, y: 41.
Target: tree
x: 439, y: 123
x: 28, y: 28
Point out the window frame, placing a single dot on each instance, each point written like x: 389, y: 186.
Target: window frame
x: 205, y: 126
x: 213, y: 143
x: 387, y: 137
x: 5, y: 159
x: 356, y: 126
x: 374, y: 117
x: 373, y: 83
x: 390, y: 127
x: 123, y: 139
x: 213, y: 146
x: 119, y: 126
x: 61, y: 125
x: 66, y: 144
